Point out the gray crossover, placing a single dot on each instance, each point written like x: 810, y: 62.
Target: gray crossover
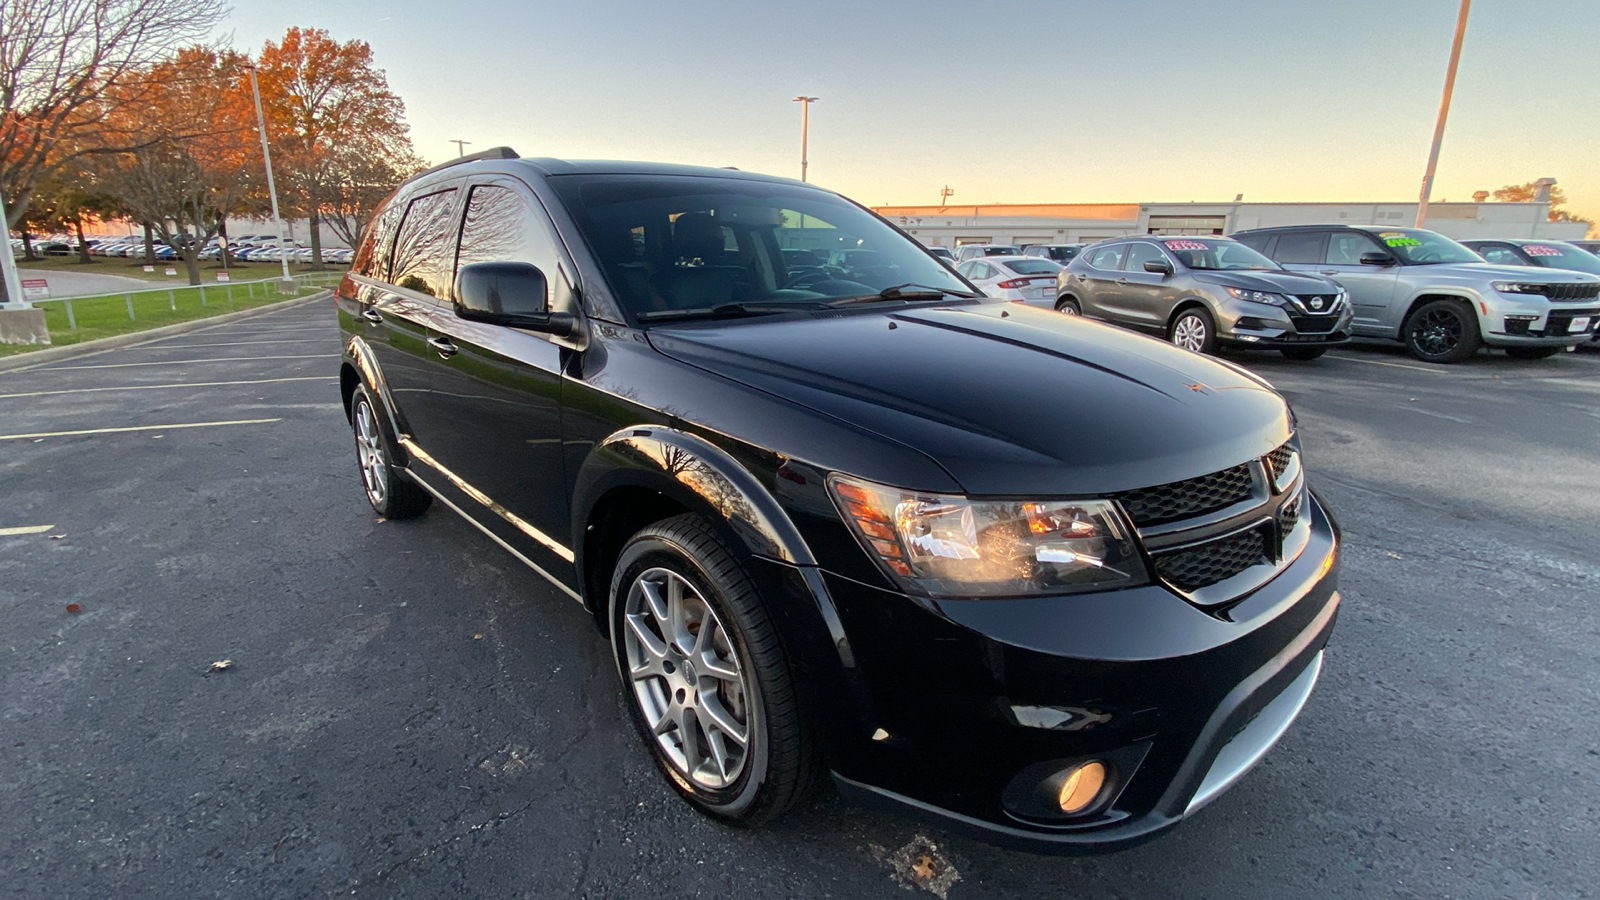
x: 1202, y: 292
x: 1439, y: 298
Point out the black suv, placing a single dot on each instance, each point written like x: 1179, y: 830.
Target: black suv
x: 1042, y: 578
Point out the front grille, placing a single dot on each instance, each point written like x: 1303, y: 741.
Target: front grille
x: 1568, y: 291
x: 1309, y: 301
x: 1182, y: 499
x: 1314, y: 324
x: 1199, y: 567
x: 1289, y: 514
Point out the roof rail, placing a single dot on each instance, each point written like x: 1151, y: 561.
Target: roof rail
x: 491, y: 153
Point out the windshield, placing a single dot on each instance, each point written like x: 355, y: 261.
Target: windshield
x: 1002, y: 250
x: 1563, y: 256
x: 675, y: 243
x: 1418, y: 247
x: 1211, y: 254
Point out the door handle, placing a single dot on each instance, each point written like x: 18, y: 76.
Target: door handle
x: 371, y: 315
x: 1122, y: 281
x: 1329, y: 272
x: 443, y: 346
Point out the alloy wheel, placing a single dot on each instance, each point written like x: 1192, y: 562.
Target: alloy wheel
x: 687, y: 678
x: 1190, y: 333
x: 369, y: 452
x: 1437, y: 332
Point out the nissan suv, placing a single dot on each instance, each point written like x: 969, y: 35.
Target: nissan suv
x: 1440, y: 299
x: 1033, y: 576
x: 1205, y: 292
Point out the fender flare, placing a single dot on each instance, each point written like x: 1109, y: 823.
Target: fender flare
x: 695, y: 473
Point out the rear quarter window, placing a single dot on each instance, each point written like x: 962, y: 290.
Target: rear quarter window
x: 372, y: 256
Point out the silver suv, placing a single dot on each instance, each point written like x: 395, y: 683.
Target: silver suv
x: 1437, y: 297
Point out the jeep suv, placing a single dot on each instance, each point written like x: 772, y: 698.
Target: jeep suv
x: 1041, y: 578
x: 1205, y: 292
x: 1439, y: 298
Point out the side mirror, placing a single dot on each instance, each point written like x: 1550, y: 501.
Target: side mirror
x: 1376, y: 259
x: 512, y: 294
x: 1158, y: 266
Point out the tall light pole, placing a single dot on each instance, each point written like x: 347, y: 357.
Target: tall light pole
x: 461, y: 149
x: 14, y: 298
x: 805, y: 122
x: 1444, y: 110
x: 272, y: 189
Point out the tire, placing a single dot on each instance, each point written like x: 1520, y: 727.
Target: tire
x: 1442, y: 331
x: 1533, y: 352
x: 388, y: 488
x: 750, y: 687
x: 1303, y: 354
x: 1194, y: 330
x: 1068, y: 306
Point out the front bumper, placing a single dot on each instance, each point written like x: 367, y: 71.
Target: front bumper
x: 1245, y: 324
x: 1541, y: 326
x: 946, y: 697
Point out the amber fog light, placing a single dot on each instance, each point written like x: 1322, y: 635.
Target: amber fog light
x: 1082, y: 787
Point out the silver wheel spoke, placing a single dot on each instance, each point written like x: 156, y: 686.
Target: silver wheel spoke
x: 677, y: 619
x: 689, y: 735
x: 718, y: 716
x: 657, y: 605
x: 708, y: 663
x: 654, y: 650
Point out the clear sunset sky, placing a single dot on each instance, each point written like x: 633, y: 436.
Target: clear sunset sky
x: 1064, y: 101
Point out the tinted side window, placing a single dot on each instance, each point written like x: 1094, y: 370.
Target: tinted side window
x: 422, y: 249
x: 1300, y: 247
x: 372, y: 257
x: 1141, y: 253
x: 1256, y: 242
x: 1346, y: 247
x: 501, y: 226
x: 1109, y: 258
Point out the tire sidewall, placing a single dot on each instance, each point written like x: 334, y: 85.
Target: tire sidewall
x: 649, y: 551
x: 1069, y: 306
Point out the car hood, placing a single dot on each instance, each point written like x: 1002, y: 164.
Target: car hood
x: 1487, y: 271
x: 1010, y: 400
x: 1272, y: 281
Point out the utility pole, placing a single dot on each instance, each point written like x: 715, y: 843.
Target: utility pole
x: 461, y: 146
x: 944, y: 196
x: 272, y: 189
x: 805, y: 122
x: 1444, y: 110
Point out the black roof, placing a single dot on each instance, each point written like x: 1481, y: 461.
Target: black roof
x: 1330, y: 226
x: 502, y: 158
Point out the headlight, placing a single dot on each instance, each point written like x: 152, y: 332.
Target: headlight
x: 943, y: 545
x: 1517, y: 287
x: 1256, y: 296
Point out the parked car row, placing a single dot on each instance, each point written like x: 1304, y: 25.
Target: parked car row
x: 1302, y: 289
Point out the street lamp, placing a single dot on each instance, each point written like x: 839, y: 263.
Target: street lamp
x: 272, y: 190
x: 805, y: 117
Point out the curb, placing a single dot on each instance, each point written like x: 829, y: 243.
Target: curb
x: 118, y: 341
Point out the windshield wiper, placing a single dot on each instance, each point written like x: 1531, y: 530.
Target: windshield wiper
x: 722, y: 311
x: 902, y: 292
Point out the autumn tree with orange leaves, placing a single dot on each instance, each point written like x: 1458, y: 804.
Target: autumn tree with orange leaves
x: 339, y: 138
x: 198, y: 159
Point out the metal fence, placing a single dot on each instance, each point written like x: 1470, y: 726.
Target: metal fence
x: 221, y: 292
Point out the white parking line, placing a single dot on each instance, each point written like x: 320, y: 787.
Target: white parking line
x: 244, y: 343
x: 182, y: 362
x: 1374, y: 362
x: 25, y: 529
x: 50, y: 434
x: 157, y: 387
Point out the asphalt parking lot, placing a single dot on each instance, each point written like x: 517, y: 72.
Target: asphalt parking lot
x: 410, y: 713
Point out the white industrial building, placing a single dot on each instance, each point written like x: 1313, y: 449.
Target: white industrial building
x: 1073, y: 223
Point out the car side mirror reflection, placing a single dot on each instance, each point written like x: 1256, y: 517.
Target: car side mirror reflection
x: 513, y: 294
x: 1376, y: 259
x: 1158, y: 266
